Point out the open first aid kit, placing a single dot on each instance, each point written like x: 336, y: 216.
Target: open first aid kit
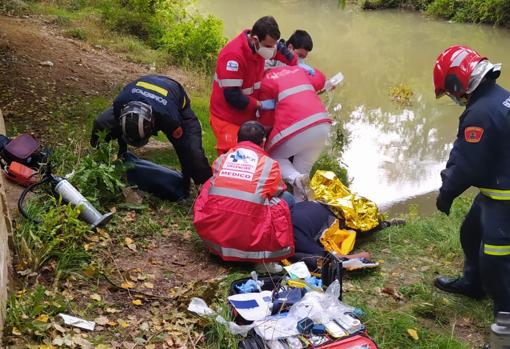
x: 297, y: 310
x: 20, y: 158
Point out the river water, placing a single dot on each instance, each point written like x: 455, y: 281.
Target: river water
x: 395, y: 153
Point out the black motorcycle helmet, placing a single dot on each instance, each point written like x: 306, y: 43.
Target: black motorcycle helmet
x: 137, y: 123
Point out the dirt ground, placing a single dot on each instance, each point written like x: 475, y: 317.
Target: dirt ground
x: 39, y: 70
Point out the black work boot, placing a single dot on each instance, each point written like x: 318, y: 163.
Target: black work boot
x: 458, y: 285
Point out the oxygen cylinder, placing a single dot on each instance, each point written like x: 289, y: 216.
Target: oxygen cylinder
x: 87, y: 212
x: 500, y: 331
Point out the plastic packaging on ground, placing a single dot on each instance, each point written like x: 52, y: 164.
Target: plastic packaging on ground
x: 200, y: 307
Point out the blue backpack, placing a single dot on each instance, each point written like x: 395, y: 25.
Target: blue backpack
x: 155, y: 179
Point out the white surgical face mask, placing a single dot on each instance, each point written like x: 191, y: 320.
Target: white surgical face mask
x: 266, y: 52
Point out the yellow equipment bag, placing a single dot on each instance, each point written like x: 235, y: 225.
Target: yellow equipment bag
x: 338, y: 241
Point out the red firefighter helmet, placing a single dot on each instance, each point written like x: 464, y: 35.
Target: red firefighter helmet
x: 459, y: 70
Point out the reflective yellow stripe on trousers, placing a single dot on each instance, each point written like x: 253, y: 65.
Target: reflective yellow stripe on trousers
x: 496, y: 250
x: 496, y: 194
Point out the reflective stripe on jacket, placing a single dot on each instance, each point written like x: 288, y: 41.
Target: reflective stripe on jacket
x: 238, y: 213
x: 298, y: 106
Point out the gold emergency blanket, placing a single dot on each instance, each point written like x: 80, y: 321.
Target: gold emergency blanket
x: 339, y: 241
x: 359, y: 213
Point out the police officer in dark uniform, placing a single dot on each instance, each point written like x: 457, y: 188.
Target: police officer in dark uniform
x: 150, y: 104
x: 480, y: 157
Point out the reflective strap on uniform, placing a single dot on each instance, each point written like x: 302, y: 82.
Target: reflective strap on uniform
x: 237, y: 194
x: 153, y: 87
x: 217, y: 168
x: 249, y: 90
x: 234, y: 252
x: 496, y: 194
x: 268, y: 164
x: 296, y: 127
x: 293, y: 90
x: 496, y: 250
x: 228, y: 82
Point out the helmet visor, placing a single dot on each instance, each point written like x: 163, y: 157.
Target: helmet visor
x: 480, y: 71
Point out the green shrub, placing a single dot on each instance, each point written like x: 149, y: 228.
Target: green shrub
x: 328, y: 162
x: 443, y: 8
x: 76, y: 33
x: 189, y: 38
x: 28, y: 312
x: 14, y: 7
x: 57, y: 236
x: 194, y: 42
x: 379, y: 4
x: 99, y: 177
x: 133, y: 19
x: 477, y: 11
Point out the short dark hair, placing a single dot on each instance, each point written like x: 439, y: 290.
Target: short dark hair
x: 266, y: 26
x: 301, y: 39
x: 252, y: 131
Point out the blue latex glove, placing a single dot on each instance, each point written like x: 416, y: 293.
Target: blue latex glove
x: 248, y: 287
x: 309, y: 69
x: 268, y: 104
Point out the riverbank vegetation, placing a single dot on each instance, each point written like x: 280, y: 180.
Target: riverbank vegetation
x: 495, y: 12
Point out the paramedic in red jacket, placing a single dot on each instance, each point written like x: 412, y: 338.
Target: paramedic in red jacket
x: 239, y: 69
x: 300, y: 122
x: 240, y: 212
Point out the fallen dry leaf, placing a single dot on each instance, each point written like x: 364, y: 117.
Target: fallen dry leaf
x: 137, y: 302
x: 130, y: 216
x: 127, y: 284
x: 166, y: 232
x: 95, y: 297
x: 89, y: 271
x: 128, y: 241
x: 123, y: 323
x: 413, y: 333
x: 393, y: 293
x: 102, y: 320
x: 59, y: 328
x: 148, y: 285
x: 43, y: 318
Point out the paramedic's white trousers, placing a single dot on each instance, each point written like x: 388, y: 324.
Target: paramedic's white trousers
x: 305, y: 147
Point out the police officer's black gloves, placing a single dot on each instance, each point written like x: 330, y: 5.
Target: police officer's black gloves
x: 444, y: 203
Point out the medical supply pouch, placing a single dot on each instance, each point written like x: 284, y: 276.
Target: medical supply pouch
x: 23, y: 149
x: 21, y: 174
x: 357, y: 341
x: 155, y: 179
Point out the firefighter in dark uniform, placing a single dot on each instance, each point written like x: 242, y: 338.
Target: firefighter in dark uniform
x: 480, y: 157
x: 150, y: 104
